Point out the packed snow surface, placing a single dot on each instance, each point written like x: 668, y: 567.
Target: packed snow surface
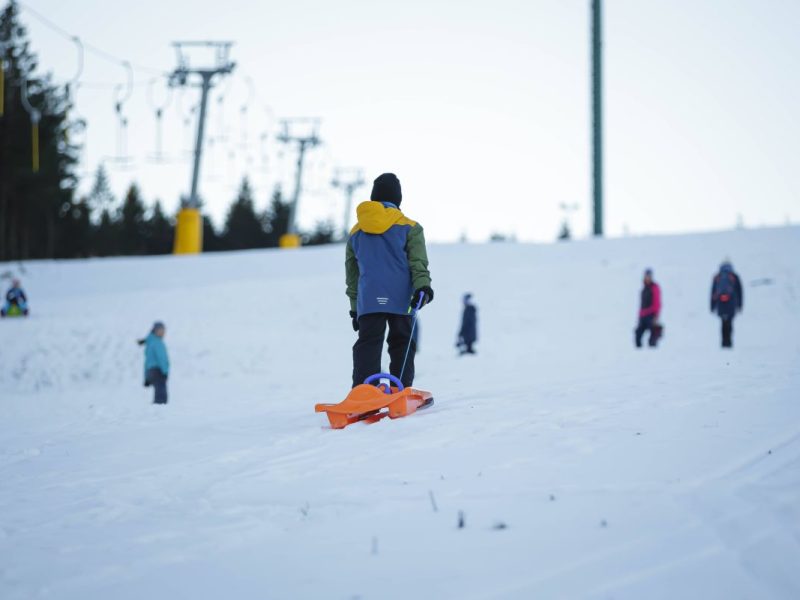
x: 578, y: 466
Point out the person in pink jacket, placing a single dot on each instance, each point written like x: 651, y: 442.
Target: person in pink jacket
x: 649, y: 310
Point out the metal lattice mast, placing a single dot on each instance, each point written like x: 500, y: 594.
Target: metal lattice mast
x: 304, y: 143
x: 348, y: 180
x: 181, y: 77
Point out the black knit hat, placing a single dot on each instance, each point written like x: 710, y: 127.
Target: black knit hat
x: 386, y: 188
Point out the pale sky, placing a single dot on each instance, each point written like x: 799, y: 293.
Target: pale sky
x: 481, y: 108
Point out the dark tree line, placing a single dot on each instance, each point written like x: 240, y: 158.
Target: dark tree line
x: 41, y: 216
x: 99, y: 226
x: 245, y: 227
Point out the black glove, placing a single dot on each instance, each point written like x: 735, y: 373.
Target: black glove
x: 427, y: 296
x: 354, y: 316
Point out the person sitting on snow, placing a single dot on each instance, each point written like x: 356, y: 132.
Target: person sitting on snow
x: 649, y: 310
x: 386, y: 265
x: 727, y: 299
x: 16, y: 301
x: 468, y: 334
x: 156, y: 362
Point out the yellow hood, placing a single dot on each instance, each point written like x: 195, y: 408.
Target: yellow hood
x: 374, y: 217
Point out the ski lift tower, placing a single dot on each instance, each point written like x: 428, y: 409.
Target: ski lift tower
x: 189, y: 228
x: 348, y: 180
x: 306, y: 140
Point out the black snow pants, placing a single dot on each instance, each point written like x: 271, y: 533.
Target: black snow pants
x: 368, y: 348
x: 158, y: 380
x: 727, y: 331
x: 646, y: 324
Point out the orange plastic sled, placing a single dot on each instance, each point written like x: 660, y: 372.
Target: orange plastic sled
x: 369, y: 404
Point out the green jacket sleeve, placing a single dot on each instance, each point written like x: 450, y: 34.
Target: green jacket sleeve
x: 351, y: 275
x: 418, y: 257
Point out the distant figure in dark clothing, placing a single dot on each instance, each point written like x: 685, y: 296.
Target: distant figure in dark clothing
x: 156, y: 362
x: 16, y: 301
x: 468, y: 334
x: 649, y: 310
x: 726, y: 300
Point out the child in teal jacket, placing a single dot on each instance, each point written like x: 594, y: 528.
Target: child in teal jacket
x: 156, y: 362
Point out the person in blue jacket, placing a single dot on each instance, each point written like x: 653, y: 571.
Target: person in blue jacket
x: 16, y: 301
x: 468, y: 334
x: 156, y: 362
x: 386, y: 267
x: 727, y: 299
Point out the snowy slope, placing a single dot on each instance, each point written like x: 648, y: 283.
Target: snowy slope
x: 583, y: 468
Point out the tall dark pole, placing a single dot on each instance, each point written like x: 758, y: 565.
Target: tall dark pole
x: 302, y: 145
x: 194, y: 200
x: 597, y: 116
x: 349, y: 182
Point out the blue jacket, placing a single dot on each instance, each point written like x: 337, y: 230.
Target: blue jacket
x: 16, y: 296
x: 155, y: 354
x: 385, y: 260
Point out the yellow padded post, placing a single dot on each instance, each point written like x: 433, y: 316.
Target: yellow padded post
x: 289, y: 240
x: 188, y: 232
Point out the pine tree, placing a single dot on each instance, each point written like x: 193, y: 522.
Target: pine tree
x: 105, y: 238
x: 212, y: 241
x: 75, y: 233
x: 323, y: 234
x: 565, y: 234
x: 100, y: 197
x: 277, y: 218
x: 244, y: 228
x: 132, y: 224
x: 32, y: 204
x: 158, y: 232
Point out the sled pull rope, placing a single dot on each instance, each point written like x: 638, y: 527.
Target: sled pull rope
x: 411, y: 337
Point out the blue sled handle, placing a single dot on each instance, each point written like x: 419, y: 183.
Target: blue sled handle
x: 415, y: 309
x: 388, y: 376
